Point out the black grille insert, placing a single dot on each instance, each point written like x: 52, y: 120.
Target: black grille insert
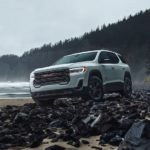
x: 52, y: 77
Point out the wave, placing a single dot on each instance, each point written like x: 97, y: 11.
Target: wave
x: 14, y: 90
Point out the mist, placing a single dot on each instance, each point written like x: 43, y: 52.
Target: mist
x: 122, y: 37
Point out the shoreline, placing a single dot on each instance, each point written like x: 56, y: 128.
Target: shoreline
x: 15, y: 102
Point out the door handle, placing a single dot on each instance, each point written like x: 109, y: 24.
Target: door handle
x: 123, y: 68
x: 112, y: 68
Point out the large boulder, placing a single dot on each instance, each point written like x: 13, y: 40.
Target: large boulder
x: 138, y: 137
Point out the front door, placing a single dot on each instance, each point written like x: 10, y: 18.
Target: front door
x: 108, y: 65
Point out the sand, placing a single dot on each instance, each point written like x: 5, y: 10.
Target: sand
x: 93, y: 142
x: 16, y: 102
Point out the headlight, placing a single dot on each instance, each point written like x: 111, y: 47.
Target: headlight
x: 78, y: 70
x: 32, y: 75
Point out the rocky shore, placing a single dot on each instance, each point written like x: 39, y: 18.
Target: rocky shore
x: 70, y: 120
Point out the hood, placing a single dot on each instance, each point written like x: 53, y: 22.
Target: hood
x: 63, y: 66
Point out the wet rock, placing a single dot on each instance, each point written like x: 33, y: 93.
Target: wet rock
x: 85, y: 142
x: 96, y: 120
x: 115, y: 141
x: 4, y: 146
x: 35, y: 141
x: 6, y: 139
x: 106, y: 137
x: 75, y: 143
x: 67, y: 137
x: 55, y: 147
x: 56, y: 123
x: 21, y: 117
x: 137, y: 137
x: 126, y: 123
x: 50, y: 134
x: 98, y: 148
x: 4, y: 131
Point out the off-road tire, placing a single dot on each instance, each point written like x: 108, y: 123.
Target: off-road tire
x: 127, y: 87
x: 94, y: 90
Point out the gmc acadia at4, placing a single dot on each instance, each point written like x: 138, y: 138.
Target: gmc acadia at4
x: 88, y: 74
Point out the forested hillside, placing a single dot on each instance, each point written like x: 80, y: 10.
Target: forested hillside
x: 130, y: 37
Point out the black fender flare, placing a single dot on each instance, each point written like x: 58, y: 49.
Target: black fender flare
x: 97, y: 73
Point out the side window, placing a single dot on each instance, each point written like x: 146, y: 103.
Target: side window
x: 108, y: 57
x: 122, y: 59
x: 103, y: 58
x: 114, y: 59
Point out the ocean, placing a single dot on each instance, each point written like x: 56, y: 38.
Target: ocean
x: 14, y: 90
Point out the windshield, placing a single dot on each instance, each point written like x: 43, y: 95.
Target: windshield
x: 76, y: 58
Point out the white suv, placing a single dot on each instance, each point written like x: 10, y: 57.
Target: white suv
x: 87, y: 74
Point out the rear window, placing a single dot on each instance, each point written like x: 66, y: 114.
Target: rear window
x: 112, y: 58
x: 122, y: 59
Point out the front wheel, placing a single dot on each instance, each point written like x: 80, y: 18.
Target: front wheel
x: 95, y: 89
x: 127, y: 89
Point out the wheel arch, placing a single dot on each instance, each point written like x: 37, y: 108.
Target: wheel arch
x: 96, y: 73
x: 127, y: 74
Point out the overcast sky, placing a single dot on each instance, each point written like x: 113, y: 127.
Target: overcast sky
x: 26, y: 24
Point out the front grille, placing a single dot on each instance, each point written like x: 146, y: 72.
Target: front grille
x: 52, y: 77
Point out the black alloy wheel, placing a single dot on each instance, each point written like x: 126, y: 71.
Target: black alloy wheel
x: 127, y: 89
x: 95, y: 88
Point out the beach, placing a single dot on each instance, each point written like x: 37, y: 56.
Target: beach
x: 93, y: 141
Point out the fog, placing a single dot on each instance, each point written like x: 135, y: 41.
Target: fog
x: 14, y: 90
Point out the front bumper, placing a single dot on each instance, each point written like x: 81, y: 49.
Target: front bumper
x: 53, y: 94
x: 74, y: 88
